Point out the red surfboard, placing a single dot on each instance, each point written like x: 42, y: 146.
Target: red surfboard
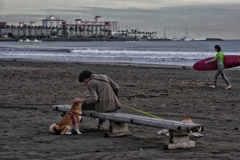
x: 229, y: 62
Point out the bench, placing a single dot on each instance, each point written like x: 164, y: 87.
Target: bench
x: 118, y: 126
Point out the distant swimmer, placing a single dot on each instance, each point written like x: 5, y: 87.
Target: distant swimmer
x: 219, y: 57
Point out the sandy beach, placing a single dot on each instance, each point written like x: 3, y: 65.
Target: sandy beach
x: 29, y: 89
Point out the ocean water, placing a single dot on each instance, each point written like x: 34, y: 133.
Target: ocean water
x: 184, y: 53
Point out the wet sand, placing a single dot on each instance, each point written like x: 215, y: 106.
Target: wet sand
x: 30, y: 88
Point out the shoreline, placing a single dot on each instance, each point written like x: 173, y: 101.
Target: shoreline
x: 99, y: 63
x: 170, y: 66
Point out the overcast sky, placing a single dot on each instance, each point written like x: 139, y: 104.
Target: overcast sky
x: 202, y: 18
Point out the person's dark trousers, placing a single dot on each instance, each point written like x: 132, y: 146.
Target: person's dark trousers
x: 90, y: 106
x: 101, y: 121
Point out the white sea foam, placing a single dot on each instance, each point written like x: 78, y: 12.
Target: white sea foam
x: 179, y: 53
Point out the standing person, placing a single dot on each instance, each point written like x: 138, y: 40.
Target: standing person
x: 103, y: 94
x: 220, y: 59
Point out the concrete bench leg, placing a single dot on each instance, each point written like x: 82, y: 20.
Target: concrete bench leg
x: 179, y: 140
x: 117, y: 129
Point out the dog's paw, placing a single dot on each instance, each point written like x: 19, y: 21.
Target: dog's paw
x: 79, y: 133
x: 68, y: 133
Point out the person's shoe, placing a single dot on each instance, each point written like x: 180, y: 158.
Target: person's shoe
x: 228, y: 87
x: 212, y: 86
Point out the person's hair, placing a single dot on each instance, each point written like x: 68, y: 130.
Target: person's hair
x: 84, y: 75
x: 218, y: 48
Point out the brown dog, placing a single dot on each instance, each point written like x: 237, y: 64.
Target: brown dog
x: 70, y: 121
x: 165, y: 132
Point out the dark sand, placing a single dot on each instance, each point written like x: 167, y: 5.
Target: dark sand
x: 29, y: 90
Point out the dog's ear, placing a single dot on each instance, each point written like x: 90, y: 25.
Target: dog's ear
x: 188, y: 117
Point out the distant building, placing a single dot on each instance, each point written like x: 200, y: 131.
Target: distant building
x: 24, y: 30
x: 3, y: 24
x: 98, y: 21
x: 3, y: 28
x: 21, y: 24
x: 88, y: 28
x: 55, y: 27
x: 32, y: 23
x: 52, y: 21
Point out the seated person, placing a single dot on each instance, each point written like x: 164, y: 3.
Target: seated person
x: 103, y: 94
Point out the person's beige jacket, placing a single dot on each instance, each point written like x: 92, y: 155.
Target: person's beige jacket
x: 101, y: 89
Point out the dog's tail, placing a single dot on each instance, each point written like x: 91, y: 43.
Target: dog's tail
x: 54, y: 128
